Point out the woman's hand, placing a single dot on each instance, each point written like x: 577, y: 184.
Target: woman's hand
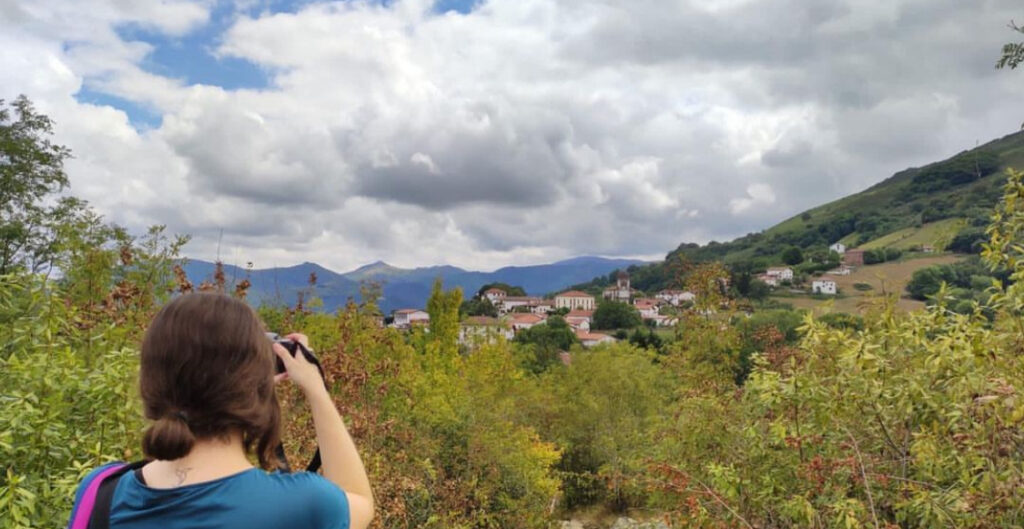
x: 299, y: 370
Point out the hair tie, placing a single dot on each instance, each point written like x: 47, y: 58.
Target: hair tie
x: 181, y: 416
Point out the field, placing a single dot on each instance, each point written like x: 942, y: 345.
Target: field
x: 885, y: 278
x: 938, y: 234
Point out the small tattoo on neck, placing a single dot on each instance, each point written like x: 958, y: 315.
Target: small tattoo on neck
x: 182, y: 473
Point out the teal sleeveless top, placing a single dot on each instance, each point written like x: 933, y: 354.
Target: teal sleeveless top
x: 252, y: 499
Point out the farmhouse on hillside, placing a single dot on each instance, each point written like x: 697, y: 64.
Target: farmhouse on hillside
x: 780, y: 274
x: 824, y: 286
x: 838, y: 248
x: 843, y: 270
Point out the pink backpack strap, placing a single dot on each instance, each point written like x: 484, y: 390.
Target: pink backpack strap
x: 83, y: 510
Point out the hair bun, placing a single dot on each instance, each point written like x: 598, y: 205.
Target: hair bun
x: 168, y: 438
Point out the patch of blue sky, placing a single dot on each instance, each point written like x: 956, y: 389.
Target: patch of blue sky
x: 292, y: 6
x: 139, y: 116
x: 191, y: 57
x: 459, y: 6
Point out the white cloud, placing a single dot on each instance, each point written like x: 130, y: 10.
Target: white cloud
x: 526, y: 131
x: 757, y: 195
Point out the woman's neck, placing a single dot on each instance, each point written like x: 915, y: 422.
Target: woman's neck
x: 208, y: 460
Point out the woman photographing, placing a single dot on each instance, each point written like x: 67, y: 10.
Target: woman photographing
x: 206, y: 377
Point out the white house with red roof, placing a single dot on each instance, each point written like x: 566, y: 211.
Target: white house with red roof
x: 590, y: 339
x: 525, y: 321
x: 574, y: 299
x: 647, y: 307
x: 780, y: 273
x: 495, y: 295
x: 405, y: 318
x: 675, y: 297
x: 542, y: 307
x: 475, y: 329
x: 580, y: 319
x: 510, y: 303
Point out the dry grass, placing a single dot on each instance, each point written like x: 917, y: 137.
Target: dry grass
x: 885, y: 278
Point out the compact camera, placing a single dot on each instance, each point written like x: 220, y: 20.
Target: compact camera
x: 293, y: 348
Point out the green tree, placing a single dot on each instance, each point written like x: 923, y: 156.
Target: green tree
x: 479, y: 306
x: 544, y: 342
x: 758, y: 290
x: 31, y: 169
x: 509, y: 289
x: 616, y: 315
x: 443, y: 308
x: 792, y: 256
x: 610, y: 403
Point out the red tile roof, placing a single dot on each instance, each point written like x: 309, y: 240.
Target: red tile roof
x: 482, y: 320
x: 527, y: 318
x: 574, y: 294
x: 584, y: 335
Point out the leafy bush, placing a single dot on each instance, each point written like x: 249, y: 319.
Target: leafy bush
x: 969, y: 241
x: 616, y: 315
x: 67, y: 404
x: 881, y: 255
x: 792, y: 256
x: 543, y: 343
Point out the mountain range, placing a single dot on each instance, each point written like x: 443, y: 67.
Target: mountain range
x: 401, y: 287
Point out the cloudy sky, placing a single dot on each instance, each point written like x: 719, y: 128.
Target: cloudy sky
x: 495, y: 132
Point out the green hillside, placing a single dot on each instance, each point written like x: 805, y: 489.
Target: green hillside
x: 926, y: 205
x: 937, y: 234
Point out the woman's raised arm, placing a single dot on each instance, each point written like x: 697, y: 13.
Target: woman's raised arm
x: 341, y: 461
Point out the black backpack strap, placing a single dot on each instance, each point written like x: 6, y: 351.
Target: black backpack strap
x: 100, y: 518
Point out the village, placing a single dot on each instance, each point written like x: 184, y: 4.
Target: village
x: 518, y: 313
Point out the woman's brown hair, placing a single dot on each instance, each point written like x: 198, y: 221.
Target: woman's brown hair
x: 207, y: 371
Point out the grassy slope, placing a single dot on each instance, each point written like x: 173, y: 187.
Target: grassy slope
x: 883, y: 278
x: 1011, y: 152
x: 937, y: 234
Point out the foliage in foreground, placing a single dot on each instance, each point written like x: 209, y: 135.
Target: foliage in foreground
x: 913, y: 421
x: 889, y: 420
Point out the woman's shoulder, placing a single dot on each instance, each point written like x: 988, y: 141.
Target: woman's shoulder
x: 315, y: 494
